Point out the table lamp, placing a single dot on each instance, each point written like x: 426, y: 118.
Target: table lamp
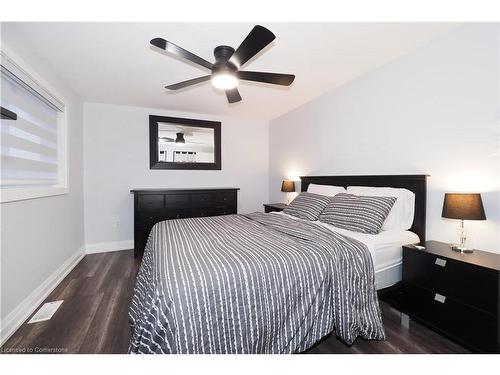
x: 463, y: 207
x: 288, y: 186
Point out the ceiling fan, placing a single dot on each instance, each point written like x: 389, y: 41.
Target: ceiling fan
x: 179, y: 139
x: 226, y: 71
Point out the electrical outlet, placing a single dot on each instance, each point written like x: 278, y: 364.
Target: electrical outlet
x: 118, y: 224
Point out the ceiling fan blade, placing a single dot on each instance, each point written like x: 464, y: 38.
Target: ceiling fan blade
x: 189, y: 82
x: 274, y: 78
x: 233, y: 95
x: 255, y: 41
x: 179, y: 51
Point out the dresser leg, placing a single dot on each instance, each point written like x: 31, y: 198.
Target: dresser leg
x: 405, y: 320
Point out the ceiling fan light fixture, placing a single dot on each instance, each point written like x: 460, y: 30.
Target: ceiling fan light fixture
x: 224, y: 81
x: 180, y: 138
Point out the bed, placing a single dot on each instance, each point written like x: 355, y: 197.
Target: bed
x: 258, y: 283
x: 385, y: 249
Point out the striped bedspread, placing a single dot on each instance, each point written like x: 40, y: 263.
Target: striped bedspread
x: 257, y: 283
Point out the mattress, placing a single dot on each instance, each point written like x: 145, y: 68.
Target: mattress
x: 385, y: 249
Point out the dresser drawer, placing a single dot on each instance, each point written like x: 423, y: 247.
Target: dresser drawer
x: 150, y: 202
x: 177, y: 214
x: 142, y: 227
x: 174, y: 201
x: 148, y: 219
x: 201, y: 212
x: 151, y: 218
x: 225, y: 210
x: 464, y: 282
x: 461, y: 322
x: 225, y: 199
x: 201, y: 200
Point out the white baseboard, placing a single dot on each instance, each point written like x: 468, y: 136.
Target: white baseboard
x: 105, y: 247
x: 16, y: 318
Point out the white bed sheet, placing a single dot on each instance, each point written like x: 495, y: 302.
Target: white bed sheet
x: 385, y: 248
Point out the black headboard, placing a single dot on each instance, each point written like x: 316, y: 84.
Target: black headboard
x: 415, y: 183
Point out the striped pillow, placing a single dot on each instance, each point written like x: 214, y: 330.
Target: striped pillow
x: 365, y: 214
x: 307, y: 206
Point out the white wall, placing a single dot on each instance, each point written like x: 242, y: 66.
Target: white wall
x: 40, y: 236
x: 434, y: 111
x: 116, y: 143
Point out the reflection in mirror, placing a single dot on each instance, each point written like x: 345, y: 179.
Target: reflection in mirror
x: 179, y: 143
x: 183, y: 143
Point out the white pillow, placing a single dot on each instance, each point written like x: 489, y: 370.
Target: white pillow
x: 401, y: 215
x: 327, y: 190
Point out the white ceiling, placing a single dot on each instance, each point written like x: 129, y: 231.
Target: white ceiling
x: 114, y: 63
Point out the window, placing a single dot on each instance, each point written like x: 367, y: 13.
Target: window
x: 33, y: 137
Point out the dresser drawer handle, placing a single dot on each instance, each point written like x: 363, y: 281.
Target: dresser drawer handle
x: 440, y: 262
x: 440, y: 298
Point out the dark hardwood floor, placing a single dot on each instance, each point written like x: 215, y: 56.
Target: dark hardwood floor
x: 93, y: 317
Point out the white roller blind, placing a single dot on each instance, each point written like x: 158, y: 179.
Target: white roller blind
x: 29, y: 145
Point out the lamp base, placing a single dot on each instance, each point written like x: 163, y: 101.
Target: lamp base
x: 461, y: 249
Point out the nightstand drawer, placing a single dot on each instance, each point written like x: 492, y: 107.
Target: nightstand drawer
x: 461, y: 322
x: 274, y: 207
x: 462, y: 281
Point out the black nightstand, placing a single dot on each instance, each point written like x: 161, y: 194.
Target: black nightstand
x: 274, y: 207
x: 455, y: 294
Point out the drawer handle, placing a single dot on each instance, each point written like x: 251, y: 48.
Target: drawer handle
x: 440, y: 298
x: 440, y: 262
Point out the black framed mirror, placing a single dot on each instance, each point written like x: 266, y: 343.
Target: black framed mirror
x: 183, y: 143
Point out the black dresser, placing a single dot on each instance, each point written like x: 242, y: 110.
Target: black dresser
x: 154, y: 205
x: 455, y: 294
